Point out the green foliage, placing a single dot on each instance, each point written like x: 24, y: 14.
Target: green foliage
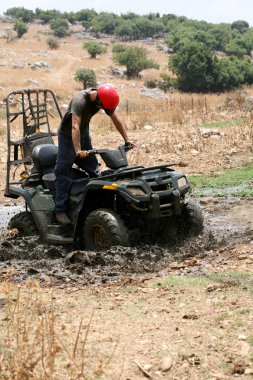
x: 86, y: 16
x: 48, y: 15
x: 94, y: 48
x: 231, y: 73
x: 53, y: 43
x: 125, y: 30
x: 198, y: 70
x: 230, y: 177
x: 86, y: 76
x: 236, y: 47
x: 222, y: 34
x: 135, y: 59
x: 240, y: 25
x: 194, y: 66
x: 150, y: 83
x: 25, y: 15
x: 143, y: 28
x: 59, y: 26
x: 20, y: 27
x: 235, y: 181
x: 220, y: 124
x: 118, y: 48
x: 105, y: 23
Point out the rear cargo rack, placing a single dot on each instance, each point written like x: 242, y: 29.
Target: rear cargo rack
x: 29, y: 113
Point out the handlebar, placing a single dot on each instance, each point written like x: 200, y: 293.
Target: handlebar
x: 126, y: 147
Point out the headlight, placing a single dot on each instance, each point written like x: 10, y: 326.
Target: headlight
x: 136, y: 191
x: 182, y: 182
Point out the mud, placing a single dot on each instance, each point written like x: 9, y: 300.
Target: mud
x: 228, y: 222
x: 7, y: 212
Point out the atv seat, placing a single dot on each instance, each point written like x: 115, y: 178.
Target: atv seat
x: 44, y: 158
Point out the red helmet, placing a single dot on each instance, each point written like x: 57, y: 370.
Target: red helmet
x: 108, y: 96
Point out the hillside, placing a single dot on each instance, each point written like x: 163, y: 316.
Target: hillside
x: 179, y: 312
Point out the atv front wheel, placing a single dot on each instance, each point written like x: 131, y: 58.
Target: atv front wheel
x: 191, y: 218
x: 24, y: 223
x: 104, y: 228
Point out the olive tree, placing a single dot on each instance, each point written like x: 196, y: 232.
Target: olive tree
x: 86, y: 76
x: 94, y: 48
x: 135, y: 59
x: 20, y: 27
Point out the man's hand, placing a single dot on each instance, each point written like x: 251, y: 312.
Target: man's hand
x: 83, y: 153
x: 131, y: 144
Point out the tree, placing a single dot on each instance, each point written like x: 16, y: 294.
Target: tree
x: 236, y: 47
x: 25, y: 15
x: 20, y: 27
x: 86, y: 76
x: 48, y: 15
x: 59, y: 26
x: 240, y: 25
x: 125, y: 29
x: 222, y: 35
x: 144, y: 27
x: 194, y: 66
x: 105, y: 23
x: 135, y: 59
x: 94, y: 48
x: 86, y: 16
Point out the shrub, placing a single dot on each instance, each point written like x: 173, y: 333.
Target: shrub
x: 53, y: 43
x: 86, y: 76
x: 20, y: 27
x: 94, y: 48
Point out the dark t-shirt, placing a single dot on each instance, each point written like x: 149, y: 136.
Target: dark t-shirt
x: 81, y: 106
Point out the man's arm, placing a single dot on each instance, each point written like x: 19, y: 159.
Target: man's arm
x: 120, y: 127
x: 76, y: 137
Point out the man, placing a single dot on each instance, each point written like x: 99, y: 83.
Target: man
x: 74, y: 140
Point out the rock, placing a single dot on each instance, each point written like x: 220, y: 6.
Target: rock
x: 117, y: 72
x: 209, y: 132
x: 167, y: 363
x: 248, y: 371
x: 153, y: 94
x: 40, y: 65
x: 239, y: 367
x: 148, y: 127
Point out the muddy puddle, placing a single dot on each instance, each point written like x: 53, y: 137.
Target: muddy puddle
x: 227, y: 222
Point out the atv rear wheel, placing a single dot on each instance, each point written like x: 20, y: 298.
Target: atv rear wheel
x: 191, y: 219
x: 24, y: 223
x: 104, y: 228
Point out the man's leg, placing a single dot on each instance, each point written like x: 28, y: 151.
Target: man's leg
x: 63, y: 178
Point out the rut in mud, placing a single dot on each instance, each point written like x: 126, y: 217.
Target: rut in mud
x: 228, y: 222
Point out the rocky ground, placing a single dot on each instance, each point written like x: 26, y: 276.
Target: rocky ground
x: 158, y: 312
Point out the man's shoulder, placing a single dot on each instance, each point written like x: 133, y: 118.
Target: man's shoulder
x: 82, y: 96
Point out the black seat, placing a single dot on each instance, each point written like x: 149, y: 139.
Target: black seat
x: 44, y: 158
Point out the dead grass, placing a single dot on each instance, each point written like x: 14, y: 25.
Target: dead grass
x: 200, y: 326
x: 36, y: 344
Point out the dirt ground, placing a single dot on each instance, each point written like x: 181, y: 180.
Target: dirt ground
x: 178, y: 312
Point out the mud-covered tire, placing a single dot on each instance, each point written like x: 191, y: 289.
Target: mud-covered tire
x: 24, y: 223
x: 103, y: 228
x: 192, y: 221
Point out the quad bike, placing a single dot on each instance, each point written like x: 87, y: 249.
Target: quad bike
x: 125, y: 205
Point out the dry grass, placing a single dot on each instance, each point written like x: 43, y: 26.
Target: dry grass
x: 36, y: 344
